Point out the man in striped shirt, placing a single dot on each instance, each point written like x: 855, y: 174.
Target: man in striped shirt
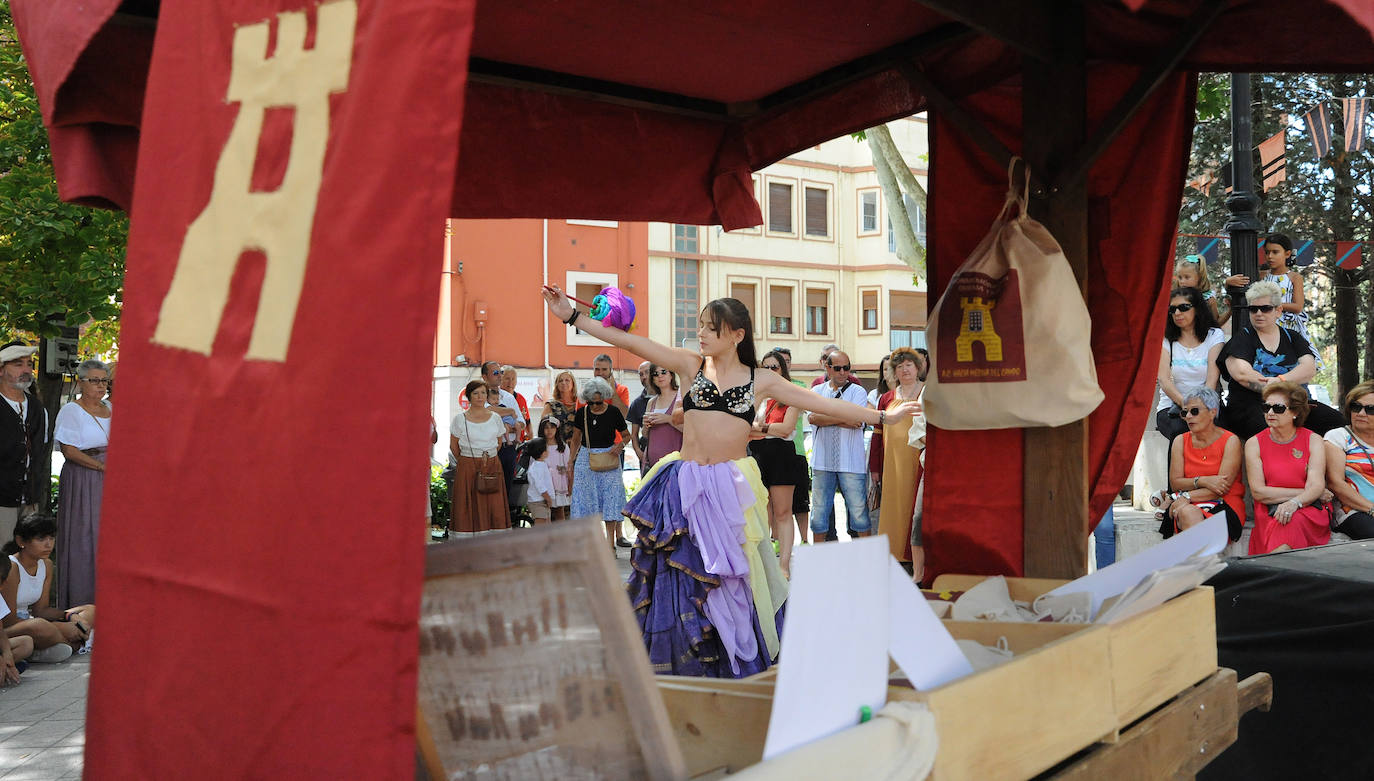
x: 837, y: 455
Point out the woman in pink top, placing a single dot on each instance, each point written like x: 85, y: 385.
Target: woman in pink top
x: 665, y: 436
x: 559, y: 466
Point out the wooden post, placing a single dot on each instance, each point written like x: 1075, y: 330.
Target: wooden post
x: 1054, y: 127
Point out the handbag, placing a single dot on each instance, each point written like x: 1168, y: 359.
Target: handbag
x: 1010, y: 339
x: 489, y: 475
x: 599, y: 462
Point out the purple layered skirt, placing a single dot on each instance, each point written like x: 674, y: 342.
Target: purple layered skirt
x: 674, y: 594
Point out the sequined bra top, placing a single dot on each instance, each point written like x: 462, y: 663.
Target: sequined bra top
x: 737, y: 401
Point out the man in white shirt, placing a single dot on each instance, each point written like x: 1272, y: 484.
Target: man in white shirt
x: 837, y: 455
x: 503, y: 403
x: 23, y: 437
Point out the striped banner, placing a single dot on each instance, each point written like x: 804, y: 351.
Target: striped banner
x: 1273, y: 161
x: 1348, y: 254
x: 1356, y: 113
x: 1209, y: 247
x: 1305, y: 253
x: 1318, y: 121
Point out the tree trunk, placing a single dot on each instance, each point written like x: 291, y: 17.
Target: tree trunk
x: 884, y: 151
x: 49, y: 389
x: 1342, y: 222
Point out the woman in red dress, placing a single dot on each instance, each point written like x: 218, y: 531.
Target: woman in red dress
x: 1285, y: 466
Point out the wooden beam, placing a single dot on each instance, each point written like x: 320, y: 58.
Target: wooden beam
x: 1175, y: 742
x: 1018, y: 23
x: 1150, y: 79
x: 937, y: 100
x: 1054, y: 124
x: 506, y: 74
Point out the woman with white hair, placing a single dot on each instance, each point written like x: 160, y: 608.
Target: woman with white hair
x: 1204, y: 467
x: 596, y: 486
x: 1263, y: 354
x: 83, y: 433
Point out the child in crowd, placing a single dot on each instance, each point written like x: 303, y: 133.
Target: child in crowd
x: 540, y: 502
x: 29, y: 587
x: 557, y: 450
x: 1192, y: 272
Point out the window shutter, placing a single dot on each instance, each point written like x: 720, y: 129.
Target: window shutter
x: 907, y: 310
x: 817, y: 217
x: 779, y: 207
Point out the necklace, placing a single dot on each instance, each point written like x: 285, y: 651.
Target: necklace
x: 900, y: 396
x: 1284, y: 441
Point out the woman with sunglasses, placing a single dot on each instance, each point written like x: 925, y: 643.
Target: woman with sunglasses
x: 706, y: 586
x: 665, y: 436
x: 83, y: 432
x: 1192, y: 343
x: 780, y: 469
x: 1350, y: 465
x: 1204, y: 468
x: 1285, y: 466
x: 1263, y: 354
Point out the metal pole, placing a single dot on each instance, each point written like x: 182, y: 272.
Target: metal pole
x: 1244, y: 225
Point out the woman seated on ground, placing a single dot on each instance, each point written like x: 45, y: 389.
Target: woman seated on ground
x: 1204, y: 466
x: 1263, y: 354
x: 56, y: 633
x: 1350, y: 465
x: 779, y: 467
x: 706, y: 586
x: 1285, y: 466
x: 12, y: 650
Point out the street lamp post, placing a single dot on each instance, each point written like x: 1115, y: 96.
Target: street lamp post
x: 1244, y: 225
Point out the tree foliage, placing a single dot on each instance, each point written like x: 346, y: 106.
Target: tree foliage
x: 1324, y: 200
x: 55, y: 258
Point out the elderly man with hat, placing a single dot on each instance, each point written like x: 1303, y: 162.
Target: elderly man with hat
x: 23, y: 437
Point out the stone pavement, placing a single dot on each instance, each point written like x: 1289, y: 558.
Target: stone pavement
x: 43, y: 722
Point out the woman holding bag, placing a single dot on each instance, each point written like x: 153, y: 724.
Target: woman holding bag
x: 597, y: 487
x: 479, y: 486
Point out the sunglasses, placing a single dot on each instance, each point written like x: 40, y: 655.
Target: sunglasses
x: 843, y: 368
x: 661, y: 372
x: 1265, y: 308
x: 1180, y: 308
x: 776, y: 368
x: 1277, y: 409
x: 106, y: 381
x: 1367, y: 409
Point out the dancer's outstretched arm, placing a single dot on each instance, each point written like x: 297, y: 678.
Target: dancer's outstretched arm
x: 683, y: 362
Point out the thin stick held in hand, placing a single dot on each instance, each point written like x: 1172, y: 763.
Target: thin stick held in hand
x: 570, y: 298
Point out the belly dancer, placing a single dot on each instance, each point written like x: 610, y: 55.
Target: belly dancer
x: 706, y: 587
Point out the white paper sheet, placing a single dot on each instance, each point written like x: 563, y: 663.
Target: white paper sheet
x: 1161, y: 586
x: 918, y: 640
x: 1205, y: 539
x: 834, y: 642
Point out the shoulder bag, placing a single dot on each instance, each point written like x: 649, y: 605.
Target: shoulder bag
x: 489, y: 476
x: 599, y: 462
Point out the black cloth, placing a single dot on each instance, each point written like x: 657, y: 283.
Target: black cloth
x: 635, y: 416
x: 777, y: 460
x: 801, y: 498
x: 599, y: 430
x: 1306, y: 617
x: 20, y: 441
x: 1357, y: 526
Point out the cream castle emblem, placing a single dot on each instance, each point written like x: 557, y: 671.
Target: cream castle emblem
x: 978, y: 294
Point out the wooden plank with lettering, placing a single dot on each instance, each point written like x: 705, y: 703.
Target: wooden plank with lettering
x: 532, y: 666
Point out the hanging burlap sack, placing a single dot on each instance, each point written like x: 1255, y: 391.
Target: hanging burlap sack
x: 1010, y: 339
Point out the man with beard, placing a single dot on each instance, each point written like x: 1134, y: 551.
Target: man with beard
x: 23, y: 437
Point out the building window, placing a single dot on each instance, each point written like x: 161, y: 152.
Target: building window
x: 917, y: 215
x: 586, y: 291
x: 817, y: 312
x: 869, y: 308
x: 686, y: 239
x: 868, y: 211
x: 907, y: 314
x: 686, y: 292
x: 780, y: 208
x: 891, y: 238
x: 817, y: 202
x: 779, y: 309
x: 585, y: 285
x: 744, y: 292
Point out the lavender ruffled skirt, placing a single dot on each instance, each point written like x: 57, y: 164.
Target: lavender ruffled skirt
x: 696, y: 568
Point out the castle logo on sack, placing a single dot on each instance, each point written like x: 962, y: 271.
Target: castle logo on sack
x: 982, y: 340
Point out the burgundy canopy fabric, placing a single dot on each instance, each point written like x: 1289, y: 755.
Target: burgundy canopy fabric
x: 259, y: 572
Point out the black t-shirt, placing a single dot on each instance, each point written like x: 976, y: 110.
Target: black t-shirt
x: 1246, y: 346
x: 636, y: 416
x: 599, y: 430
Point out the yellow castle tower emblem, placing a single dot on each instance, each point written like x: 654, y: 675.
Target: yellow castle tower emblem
x: 978, y: 295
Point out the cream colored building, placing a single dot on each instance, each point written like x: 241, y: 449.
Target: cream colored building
x: 822, y: 268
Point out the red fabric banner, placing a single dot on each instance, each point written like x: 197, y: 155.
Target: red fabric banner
x: 261, y: 558
x: 1349, y: 254
x: 973, y: 512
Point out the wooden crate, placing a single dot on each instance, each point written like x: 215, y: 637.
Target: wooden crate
x: 1012, y: 721
x: 1154, y: 655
